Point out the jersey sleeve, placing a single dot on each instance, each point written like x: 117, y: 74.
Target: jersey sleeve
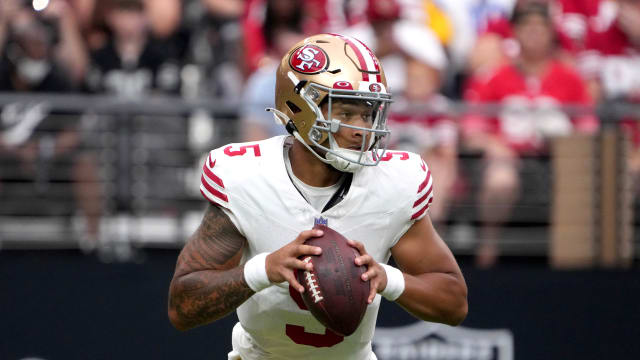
x: 217, y: 192
x: 211, y: 184
x: 424, y: 193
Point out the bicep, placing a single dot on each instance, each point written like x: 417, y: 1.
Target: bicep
x: 215, y: 245
x: 421, y: 250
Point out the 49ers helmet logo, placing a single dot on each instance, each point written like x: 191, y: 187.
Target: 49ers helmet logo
x: 309, y: 59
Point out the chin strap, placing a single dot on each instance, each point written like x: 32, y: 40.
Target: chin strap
x: 341, y: 164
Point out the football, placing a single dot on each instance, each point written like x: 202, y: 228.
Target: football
x: 334, y: 292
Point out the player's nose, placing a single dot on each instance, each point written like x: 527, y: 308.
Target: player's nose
x: 362, y: 123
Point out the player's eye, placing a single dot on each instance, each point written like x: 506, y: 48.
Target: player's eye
x: 345, y: 115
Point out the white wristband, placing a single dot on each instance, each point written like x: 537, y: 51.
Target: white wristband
x: 255, y: 272
x: 395, y: 283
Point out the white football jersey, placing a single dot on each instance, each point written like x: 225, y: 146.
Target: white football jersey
x: 250, y: 181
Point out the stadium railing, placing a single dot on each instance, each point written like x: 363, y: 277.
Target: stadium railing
x: 148, y: 154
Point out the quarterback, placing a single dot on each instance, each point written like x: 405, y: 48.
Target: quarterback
x: 333, y: 168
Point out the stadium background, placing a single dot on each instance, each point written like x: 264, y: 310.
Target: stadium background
x: 566, y: 283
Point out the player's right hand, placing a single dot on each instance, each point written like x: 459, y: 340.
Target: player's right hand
x: 281, y: 263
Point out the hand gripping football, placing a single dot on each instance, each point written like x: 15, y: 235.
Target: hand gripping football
x: 334, y: 292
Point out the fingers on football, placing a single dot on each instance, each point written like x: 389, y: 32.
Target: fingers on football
x: 375, y: 279
x: 307, y: 234
x: 291, y: 279
x: 301, y: 265
x: 372, y: 293
x: 369, y: 274
x: 377, y: 283
x: 307, y: 250
x: 365, y: 259
x: 358, y: 245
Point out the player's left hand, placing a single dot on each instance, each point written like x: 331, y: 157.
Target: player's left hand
x: 375, y: 273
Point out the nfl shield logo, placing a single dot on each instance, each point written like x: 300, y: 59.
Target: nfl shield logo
x: 321, y: 221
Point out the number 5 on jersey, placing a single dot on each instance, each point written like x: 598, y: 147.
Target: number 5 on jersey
x: 300, y: 336
x: 243, y: 150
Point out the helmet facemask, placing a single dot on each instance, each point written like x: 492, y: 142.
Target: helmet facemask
x: 374, y: 139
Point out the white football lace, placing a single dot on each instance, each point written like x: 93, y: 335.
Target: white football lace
x: 312, y: 283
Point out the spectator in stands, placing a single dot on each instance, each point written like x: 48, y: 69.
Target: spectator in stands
x: 213, y: 59
x: 29, y: 60
x: 64, y: 43
x: 281, y: 29
x: 164, y: 19
x: 611, y: 58
x: 40, y: 148
x: 259, y: 92
x: 453, y: 24
x: 496, y: 46
x: 90, y: 15
x: 611, y: 63
x: 264, y: 18
x: 530, y: 88
x: 132, y: 62
x: 306, y: 16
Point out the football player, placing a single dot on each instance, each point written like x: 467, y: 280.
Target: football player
x: 333, y: 169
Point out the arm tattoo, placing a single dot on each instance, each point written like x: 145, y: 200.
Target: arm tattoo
x: 207, y: 283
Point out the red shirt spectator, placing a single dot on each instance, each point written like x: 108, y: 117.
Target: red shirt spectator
x: 570, y: 19
x: 531, y: 106
x: 496, y: 44
x: 576, y: 16
x: 612, y: 56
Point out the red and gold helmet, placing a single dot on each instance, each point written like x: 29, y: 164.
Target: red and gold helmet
x: 323, y: 68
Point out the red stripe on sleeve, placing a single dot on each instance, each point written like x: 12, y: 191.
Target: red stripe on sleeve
x: 425, y: 182
x: 213, y: 191
x: 212, y: 176
x: 214, y: 203
x: 424, y: 208
x: 417, y: 215
x: 423, y: 198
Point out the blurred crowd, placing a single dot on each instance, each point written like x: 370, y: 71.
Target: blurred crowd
x: 530, y: 56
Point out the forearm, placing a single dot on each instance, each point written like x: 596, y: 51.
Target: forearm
x: 436, y: 297
x: 204, y: 296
